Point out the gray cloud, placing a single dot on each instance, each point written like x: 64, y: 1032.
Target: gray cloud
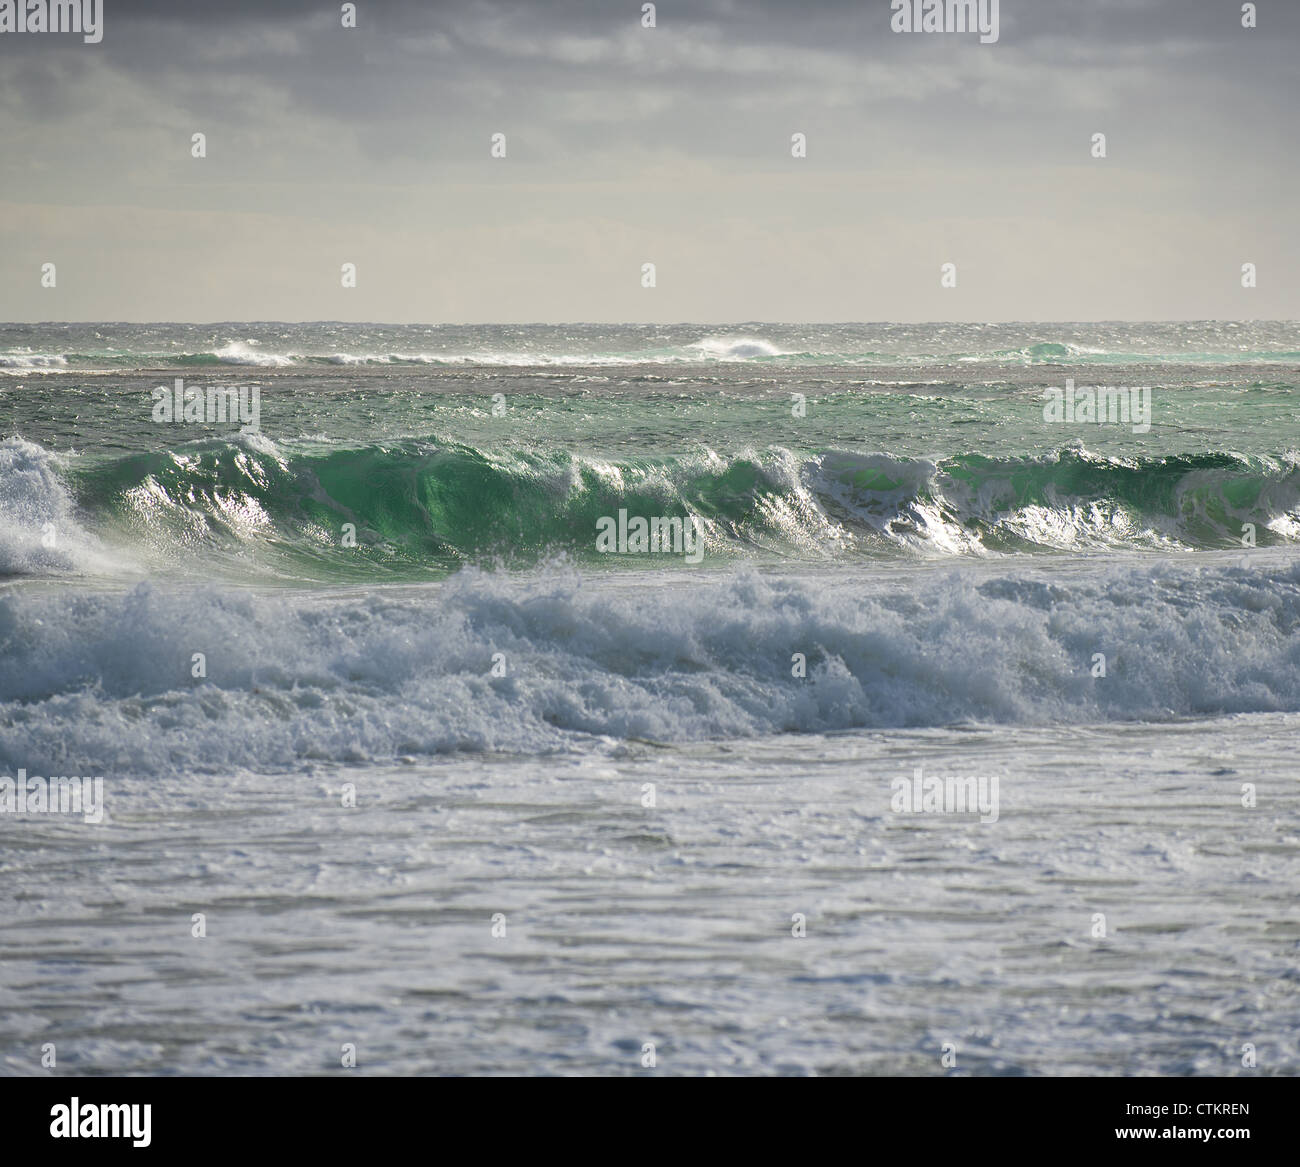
x: 627, y: 145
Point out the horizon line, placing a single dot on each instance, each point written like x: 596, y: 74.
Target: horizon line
x: 650, y: 323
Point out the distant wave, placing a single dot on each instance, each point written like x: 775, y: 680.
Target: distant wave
x: 709, y: 350
x: 238, y: 353
x: 31, y: 360
x: 736, y: 348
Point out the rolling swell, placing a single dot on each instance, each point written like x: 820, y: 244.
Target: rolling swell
x: 429, y: 504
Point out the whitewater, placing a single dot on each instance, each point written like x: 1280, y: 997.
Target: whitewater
x: 360, y: 682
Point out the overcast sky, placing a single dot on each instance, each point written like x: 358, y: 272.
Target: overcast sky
x: 670, y: 145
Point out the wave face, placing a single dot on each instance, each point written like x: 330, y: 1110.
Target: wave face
x: 250, y: 506
x: 349, y: 678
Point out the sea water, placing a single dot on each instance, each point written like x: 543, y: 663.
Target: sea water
x: 396, y: 758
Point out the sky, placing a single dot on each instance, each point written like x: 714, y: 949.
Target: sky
x: 671, y: 145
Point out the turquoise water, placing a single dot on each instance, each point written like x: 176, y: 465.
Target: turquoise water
x: 442, y: 447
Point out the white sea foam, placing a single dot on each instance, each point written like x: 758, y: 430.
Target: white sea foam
x: 30, y: 360
x: 39, y: 533
x: 736, y: 348
x: 239, y: 353
x: 720, y: 348
x: 343, y: 676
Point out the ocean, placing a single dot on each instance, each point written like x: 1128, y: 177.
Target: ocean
x: 641, y: 699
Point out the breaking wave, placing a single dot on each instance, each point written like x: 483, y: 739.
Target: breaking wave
x: 416, y: 506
